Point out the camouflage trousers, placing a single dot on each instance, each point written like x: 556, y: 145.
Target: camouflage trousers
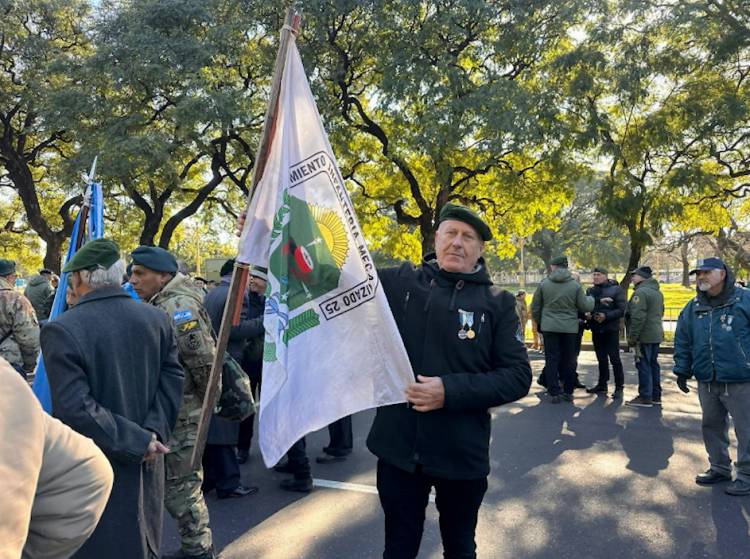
x: 183, y: 496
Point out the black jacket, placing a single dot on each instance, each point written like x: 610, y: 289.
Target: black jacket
x: 223, y: 431
x: 613, y: 312
x: 489, y: 370
x: 114, y: 377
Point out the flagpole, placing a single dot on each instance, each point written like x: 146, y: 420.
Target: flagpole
x: 240, y: 273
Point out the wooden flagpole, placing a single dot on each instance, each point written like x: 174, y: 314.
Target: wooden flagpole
x: 241, y: 270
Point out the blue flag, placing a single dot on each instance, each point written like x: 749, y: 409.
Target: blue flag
x: 95, y: 230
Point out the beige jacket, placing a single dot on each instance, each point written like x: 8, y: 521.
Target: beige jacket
x: 54, y: 482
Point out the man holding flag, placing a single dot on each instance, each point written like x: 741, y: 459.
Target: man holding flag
x: 324, y: 298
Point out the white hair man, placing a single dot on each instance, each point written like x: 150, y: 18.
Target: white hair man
x: 114, y: 377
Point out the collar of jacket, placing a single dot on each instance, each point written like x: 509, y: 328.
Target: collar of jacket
x: 102, y: 293
x: 480, y: 276
x: 649, y: 283
x: 179, y: 284
x: 5, y: 285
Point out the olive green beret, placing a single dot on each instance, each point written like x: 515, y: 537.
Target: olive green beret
x: 559, y: 261
x: 7, y: 267
x: 155, y: 258
x: 461, y: 213
x: 600, y: 269
x: 94, y: 254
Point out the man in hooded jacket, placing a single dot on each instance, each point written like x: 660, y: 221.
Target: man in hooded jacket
x: 712, y: 343
x: 555, y: 307
x: 461, y: 336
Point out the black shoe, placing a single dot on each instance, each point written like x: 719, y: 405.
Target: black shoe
x: 242, y: 456
x: 640, y: 402
x: 566, y: 397
x: 738, y: 488
x: 541, y: 381
x: 578, y: 384
x: 617, y: 394
x: 298, y: 485
x: 329, y: 459
x: 239, y: 491
x: 598, y: 389
x: 182, y: 555
x: 284, y: 468
x: 710, y: 477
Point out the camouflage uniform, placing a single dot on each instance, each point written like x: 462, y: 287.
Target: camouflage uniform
x: 17, y: 316
x: 183, y: 495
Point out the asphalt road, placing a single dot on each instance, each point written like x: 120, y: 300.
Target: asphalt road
x: 592, y: 479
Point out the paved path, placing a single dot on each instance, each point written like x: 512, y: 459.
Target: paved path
x: 592, y: 479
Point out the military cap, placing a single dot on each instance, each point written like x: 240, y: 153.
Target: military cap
x: 45, y: 271
x: 644, y: 271
x: 559, y: 261
x: 7, y: 267
x: 462, y: 213
x: 705, y: 264
x: 227, y: 267
x: 155, y: 258
x: 99, y: 253
x: 260, y: 272
x: 600, y: 270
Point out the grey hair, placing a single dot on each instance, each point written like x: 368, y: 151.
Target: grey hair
x: 104, y: 277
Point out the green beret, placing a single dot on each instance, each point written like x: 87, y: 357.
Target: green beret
x: 461, y: 213
x: 7, y: 267
x: 99, y: 253
x: 155, y: 258
x: 559, y: 261
x: 600, y: 269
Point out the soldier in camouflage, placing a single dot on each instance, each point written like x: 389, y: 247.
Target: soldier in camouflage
x: 19, y: 330
x: 156, y: 280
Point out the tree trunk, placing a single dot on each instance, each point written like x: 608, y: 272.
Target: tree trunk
x: 685, y: 264
x: 53, y: 255
x: 636, y: 249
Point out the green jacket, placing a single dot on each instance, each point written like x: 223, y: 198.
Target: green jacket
x: 195, y: 344
x: 40, y: 294
x: 644, y: 313
x: 557, y: 302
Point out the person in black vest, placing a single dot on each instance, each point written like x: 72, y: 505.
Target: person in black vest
x: 462, y: 338
x: 604, y: 322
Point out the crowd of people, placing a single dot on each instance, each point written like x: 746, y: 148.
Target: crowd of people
x: 128, y: 364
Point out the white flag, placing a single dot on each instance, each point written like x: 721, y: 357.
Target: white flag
x: 332, y: 347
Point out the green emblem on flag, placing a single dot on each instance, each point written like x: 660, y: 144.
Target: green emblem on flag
x: 311, y: 253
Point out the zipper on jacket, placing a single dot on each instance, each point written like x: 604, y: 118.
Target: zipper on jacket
x: 429, y: 296
x: 406, y: 300
x: 711, y: 343
x: 481, y: 323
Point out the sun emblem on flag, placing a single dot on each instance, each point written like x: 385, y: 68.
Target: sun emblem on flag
x: 332, y: 232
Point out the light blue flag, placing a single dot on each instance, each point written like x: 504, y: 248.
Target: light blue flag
x: 94, y: 230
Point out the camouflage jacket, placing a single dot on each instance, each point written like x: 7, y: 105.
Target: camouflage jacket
x: 17, y: 316
x: 195, y: 345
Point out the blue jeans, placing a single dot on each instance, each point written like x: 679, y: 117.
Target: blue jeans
x: 649, y: 373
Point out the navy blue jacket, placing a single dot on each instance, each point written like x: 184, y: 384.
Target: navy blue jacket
x: 613, y: 312
x: 712, y: 341
x: 488, y: 370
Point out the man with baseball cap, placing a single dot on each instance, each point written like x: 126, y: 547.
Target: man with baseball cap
x: 643, y: 325
x: 712, y: 344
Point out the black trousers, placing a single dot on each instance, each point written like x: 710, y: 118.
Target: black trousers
x: 221, y: 471
x: 404, y: 498
x: 245, y: 438
x: 341, y: 439
x: 559, y: 361
x: 607, y: 348
x: 297, y: 456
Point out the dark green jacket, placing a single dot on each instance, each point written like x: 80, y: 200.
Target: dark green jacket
x: 40, y: 294
x: 557, y: 302
x: 644, y: 314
